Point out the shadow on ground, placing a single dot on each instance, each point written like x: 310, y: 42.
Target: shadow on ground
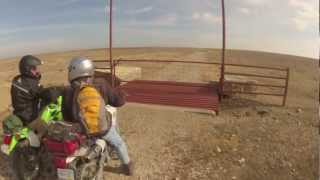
x: 240, y: 102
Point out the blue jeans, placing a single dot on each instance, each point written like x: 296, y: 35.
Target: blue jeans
x: 115, y: 140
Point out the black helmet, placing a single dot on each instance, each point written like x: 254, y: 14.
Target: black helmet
x: 27, y: 63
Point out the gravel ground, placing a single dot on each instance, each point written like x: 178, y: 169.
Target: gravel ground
x: 249, y: 140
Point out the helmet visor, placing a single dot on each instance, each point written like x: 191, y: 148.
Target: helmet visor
x: 35, y: 62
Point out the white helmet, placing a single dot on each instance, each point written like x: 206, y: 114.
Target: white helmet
x: 80, y: 67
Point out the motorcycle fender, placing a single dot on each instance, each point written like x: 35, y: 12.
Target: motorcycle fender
x: 33, y: 139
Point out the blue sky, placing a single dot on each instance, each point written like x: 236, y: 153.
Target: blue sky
x: 281, y: 26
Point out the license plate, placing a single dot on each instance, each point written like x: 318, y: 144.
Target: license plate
x: 65, y: 174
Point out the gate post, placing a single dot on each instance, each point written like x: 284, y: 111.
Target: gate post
x: 286, y: 89
x: 112, y: 70
x: 221, y: 87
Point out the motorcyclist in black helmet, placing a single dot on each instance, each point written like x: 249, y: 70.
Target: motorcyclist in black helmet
x: 26, y: 91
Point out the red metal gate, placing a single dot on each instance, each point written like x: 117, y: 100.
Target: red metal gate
x: 185, y: 94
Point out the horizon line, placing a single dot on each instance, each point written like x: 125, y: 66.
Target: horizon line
x: 168, y: 47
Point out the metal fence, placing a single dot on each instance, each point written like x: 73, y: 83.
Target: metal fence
x: 242, y: 71
x: 284, y: 80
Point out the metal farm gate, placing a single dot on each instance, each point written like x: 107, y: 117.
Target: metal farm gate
x: 184, y: 94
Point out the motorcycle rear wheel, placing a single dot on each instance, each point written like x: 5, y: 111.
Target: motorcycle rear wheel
x: 25, y: 163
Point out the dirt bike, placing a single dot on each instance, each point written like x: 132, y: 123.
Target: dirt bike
x: 69, y: 155
x: 22, y: 143
x: 73, y: 157
x: 21, y: 146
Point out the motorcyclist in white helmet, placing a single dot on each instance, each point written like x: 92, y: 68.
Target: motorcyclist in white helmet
x: 83, y: 103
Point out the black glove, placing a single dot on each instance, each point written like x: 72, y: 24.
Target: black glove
x: 50, y: 95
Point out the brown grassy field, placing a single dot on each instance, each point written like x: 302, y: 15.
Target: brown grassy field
x: 176, y: 143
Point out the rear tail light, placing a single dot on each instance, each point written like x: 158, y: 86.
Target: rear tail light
x: 60, y: 162
x: 70, y: 147
x: 7, y: 139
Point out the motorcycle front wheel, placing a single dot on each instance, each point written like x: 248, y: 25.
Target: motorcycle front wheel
x: 87, y: 171
x: 25, y: 163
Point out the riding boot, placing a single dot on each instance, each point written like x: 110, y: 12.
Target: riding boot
x: 128, y: 169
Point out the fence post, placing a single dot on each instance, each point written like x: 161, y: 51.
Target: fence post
x: 286, y: 89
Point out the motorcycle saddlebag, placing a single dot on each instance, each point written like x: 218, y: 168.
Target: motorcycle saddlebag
x: 12, y: 124
x: 61, y: 131
x: 63, y: 138
x: 66, y: 148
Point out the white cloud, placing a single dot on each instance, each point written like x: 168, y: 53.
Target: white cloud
x: 107, y: 9
x: 305, y: 47
x: 255, y: 2
x: 196, y: 16
x: 306, y: 14
x: 4, y: 32
x: 210, y: 4
x: 167, y: 20
x: 245, y: 11
x: 206, y: 17
x: 300, y: 24
x: 164, y: 20
x: 140, y: 11
x: 305, y: 9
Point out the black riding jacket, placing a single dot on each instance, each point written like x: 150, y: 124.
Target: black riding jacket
x: 25, y: 96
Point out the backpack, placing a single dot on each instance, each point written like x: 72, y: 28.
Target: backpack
x: 12, y: 124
